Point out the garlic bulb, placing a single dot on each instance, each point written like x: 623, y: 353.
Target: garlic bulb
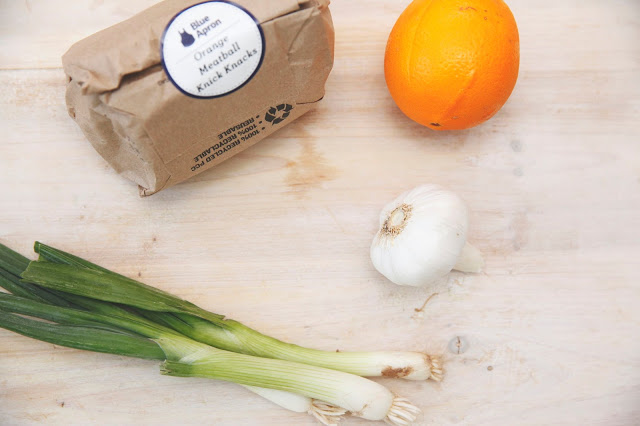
x: 423, y: 236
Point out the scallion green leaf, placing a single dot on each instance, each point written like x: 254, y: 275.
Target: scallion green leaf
x: 14, y: 285
x: 12, y: 261
x: 52, y: 254
x: 109, y: 287
x: 82, y: 337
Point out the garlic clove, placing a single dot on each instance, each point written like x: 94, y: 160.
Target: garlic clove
x: 470, y: 260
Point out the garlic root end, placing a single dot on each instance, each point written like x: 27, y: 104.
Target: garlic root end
x: 470, y: 260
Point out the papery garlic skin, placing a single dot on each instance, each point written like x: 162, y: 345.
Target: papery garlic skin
x: 421, y: 237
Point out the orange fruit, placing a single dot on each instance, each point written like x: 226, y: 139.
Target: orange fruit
x: 452, y: 64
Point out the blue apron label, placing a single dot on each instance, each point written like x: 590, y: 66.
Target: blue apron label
x: 211, y: 49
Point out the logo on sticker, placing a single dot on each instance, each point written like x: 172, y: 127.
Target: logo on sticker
x: 212, y: 49
x: 186, y: 39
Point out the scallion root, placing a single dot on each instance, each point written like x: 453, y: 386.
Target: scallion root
x: 401, y: 413
x: 325, y: 413
x: 435, y: 368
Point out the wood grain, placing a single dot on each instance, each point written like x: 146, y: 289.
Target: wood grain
x: 278, y: 236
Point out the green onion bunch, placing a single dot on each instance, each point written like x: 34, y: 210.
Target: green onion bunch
x: 63, y: 299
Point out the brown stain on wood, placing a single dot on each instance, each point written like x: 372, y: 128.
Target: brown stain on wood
x: 309, y: 170
x: 396, y: 373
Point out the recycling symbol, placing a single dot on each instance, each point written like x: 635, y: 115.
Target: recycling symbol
x: 277, y: 114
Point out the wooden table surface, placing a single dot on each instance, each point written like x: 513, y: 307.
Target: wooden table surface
x: 278, y: 236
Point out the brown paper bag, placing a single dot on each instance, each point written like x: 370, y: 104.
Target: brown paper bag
x: 184, y: 85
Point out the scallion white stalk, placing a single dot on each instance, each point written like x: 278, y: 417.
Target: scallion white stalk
x: 237, y: 337
x: 324, y: 412
x: 362, y: 397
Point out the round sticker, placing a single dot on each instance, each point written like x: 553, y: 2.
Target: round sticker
x: 211, y: 49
